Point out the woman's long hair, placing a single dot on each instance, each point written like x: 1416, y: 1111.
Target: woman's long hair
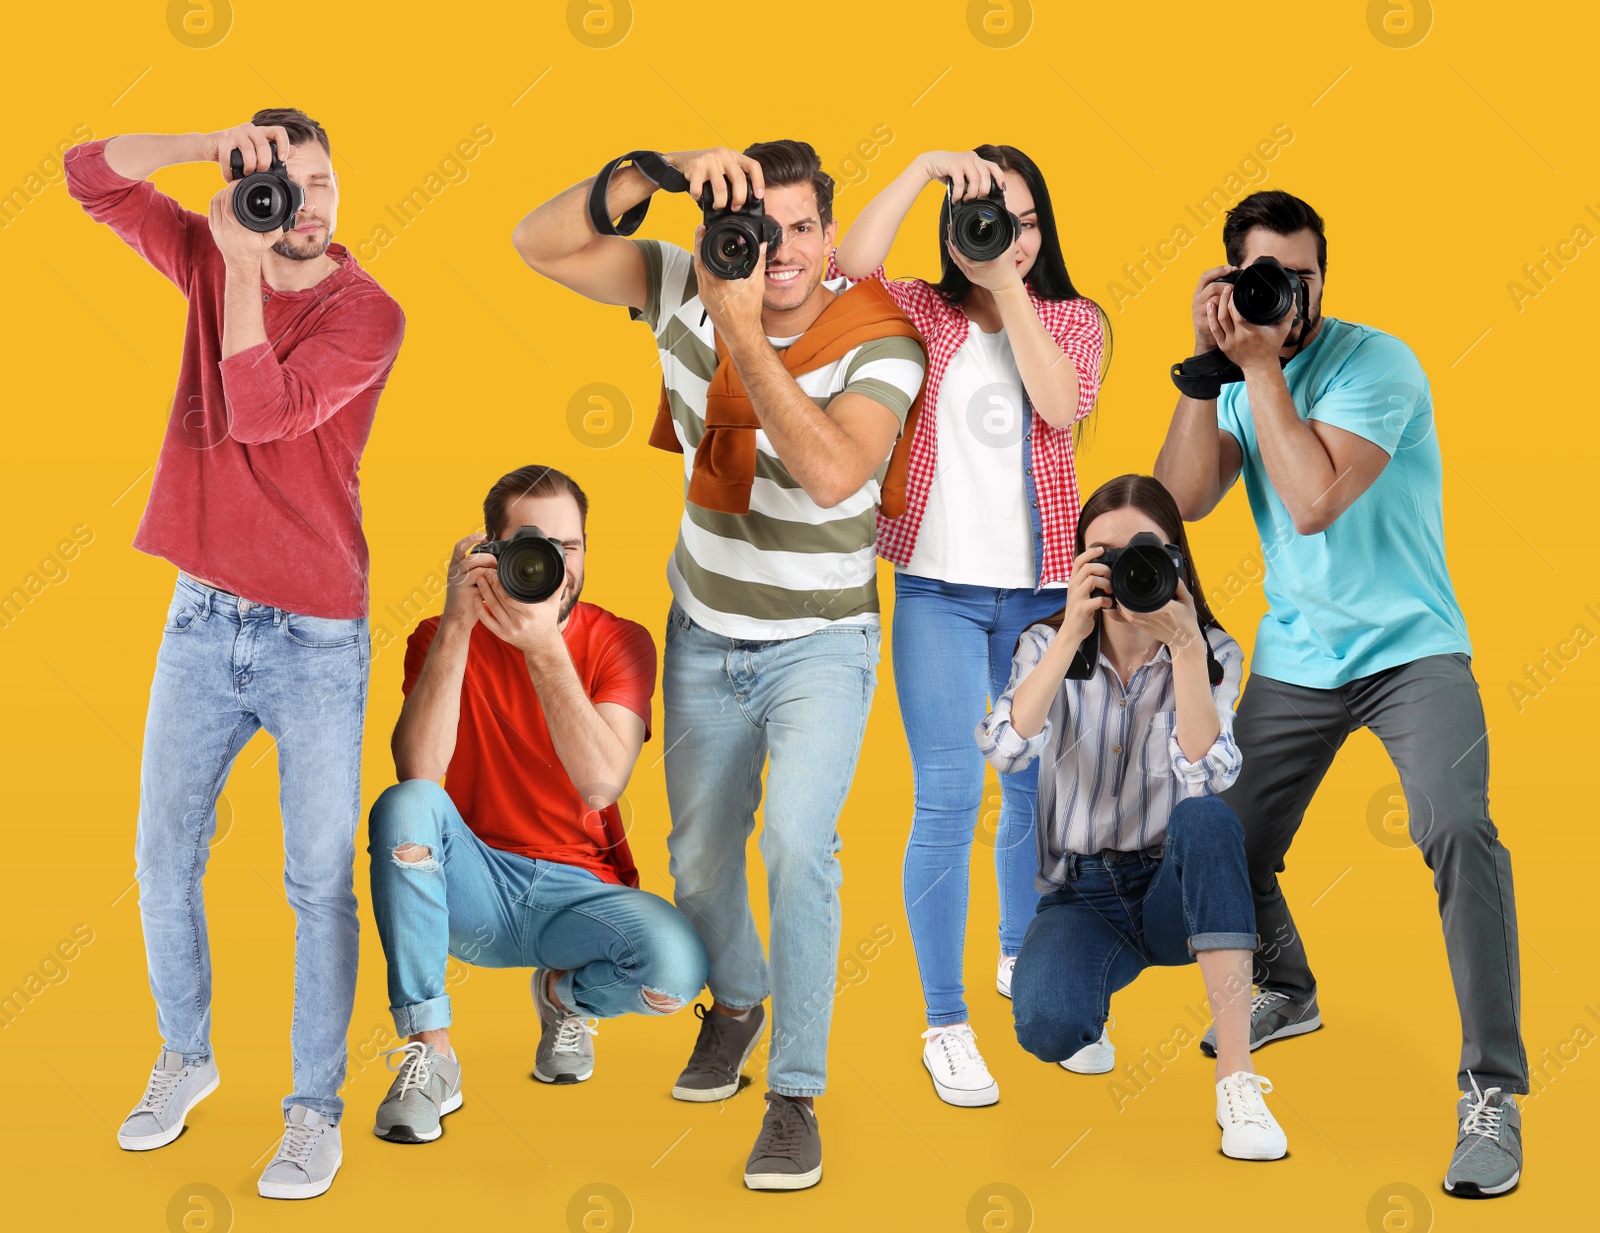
x: 1149, y: 496
x: 1048, y: 277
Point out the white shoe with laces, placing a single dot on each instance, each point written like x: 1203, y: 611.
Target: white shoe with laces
x: 1249, y: 1131
x: 957, y: 1068
x: 1098, y: 1058
x: 1002, y: 979
x: 307, y: 1159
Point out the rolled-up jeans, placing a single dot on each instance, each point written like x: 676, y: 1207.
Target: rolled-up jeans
x: 227, y: 667
x: 1119, y: 913
x: 730, y: 703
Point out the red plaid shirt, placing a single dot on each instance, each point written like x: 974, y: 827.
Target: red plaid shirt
x: 1075, y: 326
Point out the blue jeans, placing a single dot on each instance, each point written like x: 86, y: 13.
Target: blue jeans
x: 227, y: 667
x: 952, y: 649
x: 1122, y: 912
x: 612, y: 944
x: 729, y: 703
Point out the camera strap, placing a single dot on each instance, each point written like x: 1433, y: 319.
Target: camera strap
x: 1203, y: 376
x: 652, y: 167
x: 1087, y: 657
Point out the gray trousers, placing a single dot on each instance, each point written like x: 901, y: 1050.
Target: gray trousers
x: 1429, y: 717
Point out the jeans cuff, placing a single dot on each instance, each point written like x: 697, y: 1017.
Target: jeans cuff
x: 785, y: 1090
x: 1222, y: 941
x: 429, y: 1016
x: 945, y: 1020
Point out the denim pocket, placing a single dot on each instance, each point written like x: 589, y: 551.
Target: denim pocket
x: 182, y: 613
x: 321, y: 633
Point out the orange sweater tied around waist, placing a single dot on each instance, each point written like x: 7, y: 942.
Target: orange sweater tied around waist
x: 725, y: 459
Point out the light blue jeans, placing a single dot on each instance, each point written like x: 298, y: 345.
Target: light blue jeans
x: 729, y: 704
x: 226, y: 668
x: 952, y: 649
x: 619, y: 950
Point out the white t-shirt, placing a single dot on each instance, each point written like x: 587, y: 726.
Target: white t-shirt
x: 975, y: 529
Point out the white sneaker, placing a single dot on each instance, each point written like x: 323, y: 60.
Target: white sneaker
x: 173, y: 1090
x: 1002, y: 979
x: 959, y: 1075
x: 1096, y: 1059
x: 1249, y: 1131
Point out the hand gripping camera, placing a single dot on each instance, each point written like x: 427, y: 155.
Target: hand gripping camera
x: 982, y: 228
x: 531, y: 565
x: 265, y: 200
x: 732, y: 242
x: 1265, y: 293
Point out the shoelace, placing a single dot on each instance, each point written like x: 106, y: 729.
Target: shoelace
x: 1245, y: 1103
x: 414, y: 1067
x: 299, y: 1142
x: 960, y: 1047
x: 162, y: 1084
x: 570, y: 1031
x: 788, y: 1128
x: 1264, y: 1001
x: 709, y: 1043
x: 1483, y: 1118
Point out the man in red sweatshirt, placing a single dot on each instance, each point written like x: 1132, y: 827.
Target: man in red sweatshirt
x: 255, y: 499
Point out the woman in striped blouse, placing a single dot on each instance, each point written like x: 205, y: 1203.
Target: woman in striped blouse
x: 1141, y: 862
x: 981, y: 550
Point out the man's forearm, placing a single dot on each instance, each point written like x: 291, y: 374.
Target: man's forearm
x: 1190, y: 461
x: 425, y: 734
x: 243, y: 323
x: 561, y: 227
x: 814, y: 449
x: 592, y: 754
x: 1297, y: 465
x: 136, y: 155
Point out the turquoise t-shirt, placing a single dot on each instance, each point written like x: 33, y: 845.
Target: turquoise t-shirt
x: 1372, y: 591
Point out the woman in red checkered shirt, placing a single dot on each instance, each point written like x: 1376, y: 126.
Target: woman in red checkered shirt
x: 982, y: 550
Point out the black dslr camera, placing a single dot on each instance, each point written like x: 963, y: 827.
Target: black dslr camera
x: 732, y: 243
x: 1264, y: 292
x: 982, y: 228
x: 532, y: 565
x: 1144, y: 572
x: 265, y: 200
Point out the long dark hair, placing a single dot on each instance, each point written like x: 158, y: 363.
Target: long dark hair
x: 1149, y: 496
x: 1048, y: 277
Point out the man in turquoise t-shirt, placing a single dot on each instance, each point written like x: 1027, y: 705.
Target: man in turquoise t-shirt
x: 1332, y: 429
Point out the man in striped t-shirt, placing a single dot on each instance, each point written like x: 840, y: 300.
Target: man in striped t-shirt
x: 772, y: 638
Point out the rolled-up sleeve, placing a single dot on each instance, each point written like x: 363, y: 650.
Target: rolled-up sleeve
x: 1216, y: 771
x: 1002, y: 746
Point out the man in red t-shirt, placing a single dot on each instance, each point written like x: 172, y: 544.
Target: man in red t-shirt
x: 255, y: 499
x: 534, y: 714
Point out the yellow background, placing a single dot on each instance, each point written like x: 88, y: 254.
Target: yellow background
x: 1442, y: 167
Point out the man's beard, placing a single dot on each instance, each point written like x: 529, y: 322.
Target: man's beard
x: 567, y: 605
x: 1304, y: 330
x: 284, y: 247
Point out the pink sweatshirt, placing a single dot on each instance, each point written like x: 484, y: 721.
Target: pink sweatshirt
x: 256, y: 488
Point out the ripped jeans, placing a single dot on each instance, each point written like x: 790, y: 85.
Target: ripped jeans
x: 620, y: 950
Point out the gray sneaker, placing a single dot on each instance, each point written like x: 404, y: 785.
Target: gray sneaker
x: 307, y: 1158
x: 1273, y: 1016
x: 1488, y: 1156
x: 720, y: 1052
x: 427, y: 1087
x: 788, y: 1151
x: 173, y: 1090
x: 566, y: 1052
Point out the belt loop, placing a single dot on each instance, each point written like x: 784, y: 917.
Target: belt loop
x: 1072, y: 866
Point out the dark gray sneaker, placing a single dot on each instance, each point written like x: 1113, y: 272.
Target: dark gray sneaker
x: 1273, y: 1016
x: 788, y: 1151
x: 720, y: 1052
x: 427, y: 1087
x: 173, y: 1090
x: 566, y: 1052
x: 1488, y: 1156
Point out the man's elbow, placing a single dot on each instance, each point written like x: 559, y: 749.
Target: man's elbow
x: 1313, y: 521
x: 527, y: 238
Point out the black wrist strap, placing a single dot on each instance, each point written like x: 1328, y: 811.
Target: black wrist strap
x: 652, y: 167
x: 1203, y: 376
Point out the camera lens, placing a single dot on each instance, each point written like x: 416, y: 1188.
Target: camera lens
x: 259, y: 202
x: 982, y: 230
x: 1264, y: 293
x: 1144, y: 578
x: 532, y: 569
x: 730, y: 247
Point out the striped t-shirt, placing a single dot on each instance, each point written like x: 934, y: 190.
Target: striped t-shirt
x: 789, y: 566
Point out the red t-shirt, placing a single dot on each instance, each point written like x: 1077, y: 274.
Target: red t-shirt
x: 504, y: 776
x: 256, y: 488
